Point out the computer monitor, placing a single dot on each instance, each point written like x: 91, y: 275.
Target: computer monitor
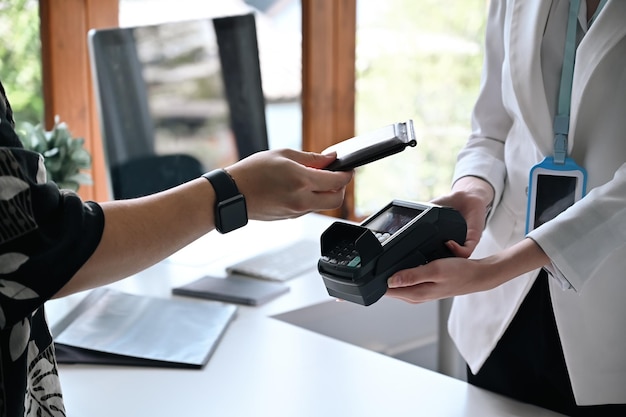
x: 187, y: 87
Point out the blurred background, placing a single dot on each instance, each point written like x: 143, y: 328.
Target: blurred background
x: 414, y: 59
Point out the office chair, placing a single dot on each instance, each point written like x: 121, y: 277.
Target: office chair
x: 239, y: 57
x: 128, y: 131
x: 151, y: 174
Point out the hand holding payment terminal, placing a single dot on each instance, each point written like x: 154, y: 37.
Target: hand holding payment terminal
x: 357, y: 260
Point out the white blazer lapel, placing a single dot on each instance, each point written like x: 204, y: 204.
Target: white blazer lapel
x: 604, y: 34
x: 528, y: 21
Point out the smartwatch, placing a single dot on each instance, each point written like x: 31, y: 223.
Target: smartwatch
x: 230, y: 205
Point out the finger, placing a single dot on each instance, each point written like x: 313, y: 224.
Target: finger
x: 409, y: 277
x: 458, y: 250
x: 325, y: 200
x: 322, y: 180
x: 326, y: 181
x: 414, y: 295
x: 397, y: 294
x: 312, y: 159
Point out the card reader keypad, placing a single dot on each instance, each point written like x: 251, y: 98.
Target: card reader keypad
x: 343, y: 254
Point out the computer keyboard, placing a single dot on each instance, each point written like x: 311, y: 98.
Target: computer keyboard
x: 280, y: 264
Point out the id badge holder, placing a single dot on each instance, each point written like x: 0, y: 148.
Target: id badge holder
x: 552, y: 188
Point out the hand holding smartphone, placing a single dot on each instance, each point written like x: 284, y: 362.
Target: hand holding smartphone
x: 372, y: 146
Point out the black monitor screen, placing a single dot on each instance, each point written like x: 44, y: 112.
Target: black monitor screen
x: 188, y: 87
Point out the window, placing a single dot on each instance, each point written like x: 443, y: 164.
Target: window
x: 417, y: 60
x: 20, y: 66
x: 279, y: 40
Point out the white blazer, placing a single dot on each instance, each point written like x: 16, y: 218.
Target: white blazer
x: 512, y: 131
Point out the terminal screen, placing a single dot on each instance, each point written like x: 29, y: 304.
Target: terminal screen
x: 393, y: 219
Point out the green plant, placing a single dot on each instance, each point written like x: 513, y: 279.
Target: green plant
x: 64, y: 156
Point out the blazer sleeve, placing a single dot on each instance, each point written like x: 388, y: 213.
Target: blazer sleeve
x: 483, y: 154
x: 595, y: 231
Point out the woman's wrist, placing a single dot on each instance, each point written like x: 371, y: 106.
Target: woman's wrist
x: 514, y: 261
x: 478, y: 188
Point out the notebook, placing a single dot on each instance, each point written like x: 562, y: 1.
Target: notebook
x: 280, y: 264
x: 115, y: 328
x: 233, y: 289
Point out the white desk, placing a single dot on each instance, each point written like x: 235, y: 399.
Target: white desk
x: 264, y: 366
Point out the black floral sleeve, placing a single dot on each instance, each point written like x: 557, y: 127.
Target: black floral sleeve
x: 46, y: 235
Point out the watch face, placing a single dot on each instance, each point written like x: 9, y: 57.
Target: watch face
x: 231, y: 214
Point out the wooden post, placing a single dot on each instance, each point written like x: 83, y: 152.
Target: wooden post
x: 328, y: 78
x: 67, y: 84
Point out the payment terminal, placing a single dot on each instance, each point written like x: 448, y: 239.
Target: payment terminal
x: 357, y: 260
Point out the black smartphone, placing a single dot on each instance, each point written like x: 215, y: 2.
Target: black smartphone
x: 372, y: 146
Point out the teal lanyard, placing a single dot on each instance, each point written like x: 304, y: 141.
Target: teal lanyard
x: 561, y: 120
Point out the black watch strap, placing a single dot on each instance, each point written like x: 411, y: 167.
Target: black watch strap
x: 230, y: 205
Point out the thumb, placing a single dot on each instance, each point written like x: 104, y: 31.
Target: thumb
x: 458, y: 250
x: 315, y: 160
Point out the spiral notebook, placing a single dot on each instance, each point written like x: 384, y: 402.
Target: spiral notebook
x: 116, y: 328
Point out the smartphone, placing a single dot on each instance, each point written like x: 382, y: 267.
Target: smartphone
x: 372, y: 146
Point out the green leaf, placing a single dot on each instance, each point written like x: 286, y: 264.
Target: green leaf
x: 64, y: 156
x: 52, y: 153
x: 81, y: 178
x: 68, y: 185
x: 82, y: 158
